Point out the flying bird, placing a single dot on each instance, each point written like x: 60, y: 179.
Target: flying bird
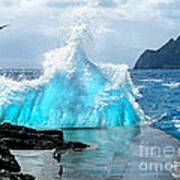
x: 4, y: 26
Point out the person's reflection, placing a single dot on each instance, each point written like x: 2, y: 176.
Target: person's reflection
x: 57, y: 156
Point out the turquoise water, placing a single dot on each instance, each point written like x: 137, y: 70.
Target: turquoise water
x: 108, y: 157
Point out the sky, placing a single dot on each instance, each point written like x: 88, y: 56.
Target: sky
x: 123, y: 28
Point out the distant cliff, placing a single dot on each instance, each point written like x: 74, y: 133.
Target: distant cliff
x: 167, y: 57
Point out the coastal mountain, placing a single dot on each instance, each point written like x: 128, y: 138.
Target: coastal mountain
x: 167, y: 57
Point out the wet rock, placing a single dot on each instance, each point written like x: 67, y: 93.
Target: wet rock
x: 9, y: 176
x: 77, y: 146
x: 23, y: 138
x: 9, y: 167
x: 7, y: 160
x: 74, y: 146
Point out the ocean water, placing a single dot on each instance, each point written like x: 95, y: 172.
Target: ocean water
x: 110, y: 146
x: 159, y: 94
x: 160, y: 99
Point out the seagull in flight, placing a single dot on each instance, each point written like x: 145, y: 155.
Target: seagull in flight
x: 4, y: 26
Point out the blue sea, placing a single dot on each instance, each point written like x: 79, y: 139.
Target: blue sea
x: 159, y: 98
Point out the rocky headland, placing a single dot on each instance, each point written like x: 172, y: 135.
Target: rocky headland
x: 166, y: 57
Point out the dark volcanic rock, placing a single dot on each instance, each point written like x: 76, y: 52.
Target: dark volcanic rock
x: 167, y: 57
x: 22, y: 138
x: 9, y: 167
x: 77, y: 146
x: 7, y: 160
x: 9, y: 176
x: 71, y: 145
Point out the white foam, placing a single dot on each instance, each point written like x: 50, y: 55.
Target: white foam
x: 172, y: 85
x: 151, y: 80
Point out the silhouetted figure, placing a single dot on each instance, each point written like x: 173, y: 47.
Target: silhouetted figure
x: 61, y: 171
x: 57, y: 155
x: 4, y: 26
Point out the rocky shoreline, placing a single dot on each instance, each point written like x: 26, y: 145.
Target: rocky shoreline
x: 13, y: 137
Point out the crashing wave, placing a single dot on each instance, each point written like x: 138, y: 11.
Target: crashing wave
x: 72, y: 92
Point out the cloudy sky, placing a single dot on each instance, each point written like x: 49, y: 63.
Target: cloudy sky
x: 124, y: 28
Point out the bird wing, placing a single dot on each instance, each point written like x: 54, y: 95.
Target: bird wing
x: 4, y: 26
